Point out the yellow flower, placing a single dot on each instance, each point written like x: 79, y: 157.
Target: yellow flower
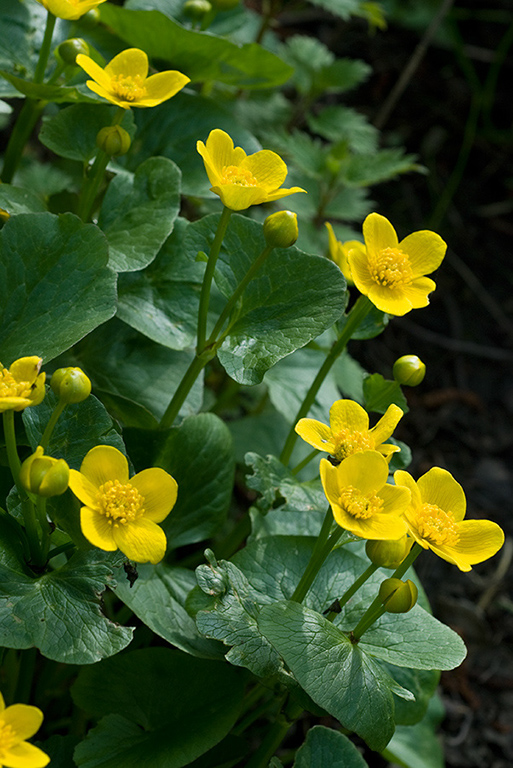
x: 349, y: 431
x: 435, y: 520
x: 242, y: 180
x: 69, y: 9
x: 391, y: 273
x: 18, y: 723
x: 338, y: 252
x: 21, y: 385
x: 122, y: 513
x: 361, y: 501
x: 125, y: 81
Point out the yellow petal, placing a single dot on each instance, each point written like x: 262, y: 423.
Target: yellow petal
x: 129, y: 63
x: 25, y: 755
x: 378, y: 233
x: 386, y: 425
x: 387, y: 450
x: 380, y: 527
x: 418, y: 291
x: 38, y: 391
x: 107, y: 94
x: 426, y: 251
x: 141, y: 541
x: 159, y: 490
x: 94, y: 70
x: 439, y: 487
x: 404, y: 478
x: 396, y: 499
x: 163, y: 86
x: 104, y: 462
x: 333, y: 243
x: 26, y: 369
x: 268, y: 169
x: 316, y: 434
x: 238, y: 198
x: 390, y: 300
x: 280, y: 193
x: 83, y: 489
x: 97, y: 529
x: 222, y: 153
x: 23, y: 719
x: 2, y: 701
x: 347, y: 414
x: 14, y: 403
x: 479, y: 540
x: 330, y: 484
x: 367, y: 471
x: 359, y: 266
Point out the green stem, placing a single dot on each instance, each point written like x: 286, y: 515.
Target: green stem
x: 208, y: 277
x: 232, y: 301
x: 275, y: 736
x: 95, y: 176
x: 60, y: 549
x: 27, y: 666
x: 305, y: 462
x: 179, y: 397
x: 353, y: 589
x: 30, y: 111
x: 51, y: 424
x: 321, y: 550
x: 376, y: 608
x: 45, y: 527
x: 359, y: 311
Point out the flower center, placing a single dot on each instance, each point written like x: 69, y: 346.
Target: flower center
x: 128, y: 87
x: 357, y: 505
x: 120, y: 503
x: 349, y: 441
x: 232, y: 174
x: 9, y: 387
x: 391, y: 268
x: 436, y: 526
x: 8, y: 739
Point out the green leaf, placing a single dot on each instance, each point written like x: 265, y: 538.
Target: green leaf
x: 138, y: 374
x: 162, y: 300
x: 337, y: 674
x: 16, y: 200
x: 72, y: 131
x: 160, y: 709
x: 422, y: 683
x: 372, y: 325
x: 349, y: 376
x: 60, y: 750
x: 199, y: 455
x: 158, y: 599
x: 293, y: 298
x: 55, y: 286
x: 199, y: 55
x: 57, y: 94
x: 325, y: 747
x: 60, y: 612
x: 138, y: 213
x: 317, y: 70
x: 343, y: 8
x: 365, y: 170
x: 343, y: 124
x: 417, y: 746
x: 379, y: 393
x: 172, y: 130
x: 15, y: 36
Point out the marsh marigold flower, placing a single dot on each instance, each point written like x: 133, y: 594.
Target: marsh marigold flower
x: 125, y: 81
x: 338, y: 252
x: 435, y: 520
x: 361, y: 501
x: 242, y: 180
x: 21, y: 385
x: 349, y: 431
x: 69, y: 9
x: 18, y: 723
x: 392, y: 273
x: 122, y: 513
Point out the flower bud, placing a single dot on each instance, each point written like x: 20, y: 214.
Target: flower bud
x: 4, y: 216
x: 409, y: 370
x: 90, y: 20
x: 388, y: 554
x: 68, y: 50
x: 71, y: 385
x: 196, y: 9
x: 280, y: 229
x: 44, y: 475
x: 114, y: 140
x: 398, y: 596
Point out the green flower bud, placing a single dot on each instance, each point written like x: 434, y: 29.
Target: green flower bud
x: 398, y: 596
x: 409, y: 370
x: 71, y: 385
x: 225, y: 5
x: 114, y: 140
x: 388, y: 554
x: 44, y: 475
x: 196, y: 9
x: 280, y: 229
x: 69, y: 50
x: 90, y: 20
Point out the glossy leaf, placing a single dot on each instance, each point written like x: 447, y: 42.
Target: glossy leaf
x: 325, y: 747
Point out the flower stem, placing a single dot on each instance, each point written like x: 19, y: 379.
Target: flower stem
x: 359, y: 311
x: 30, y: 111
x: 321, y: 550
x: 51, y: 424
x: 208, y: 277
x: 95, y: 176
x: 376, y: 609
x: 185, y: 386
x: 305, y: 462
x: 277, y: 732
x: 353, y: 589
